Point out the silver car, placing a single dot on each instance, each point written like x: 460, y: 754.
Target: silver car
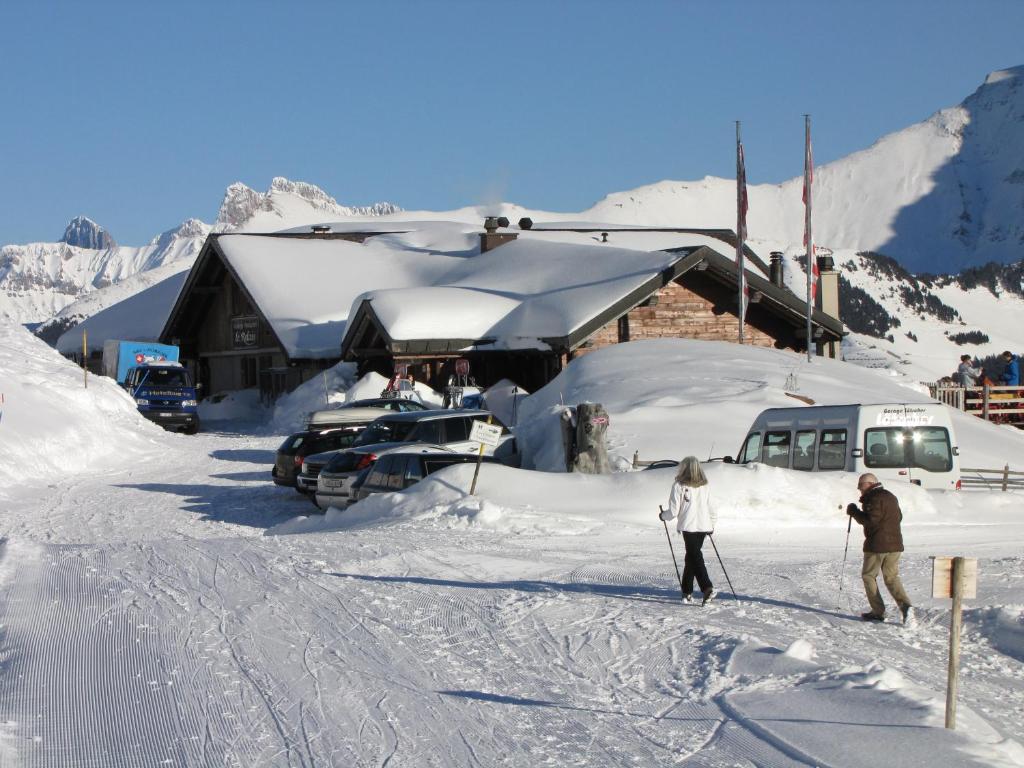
x: 334, y: 481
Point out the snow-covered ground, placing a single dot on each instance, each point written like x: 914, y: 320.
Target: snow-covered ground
x: 162, y: 603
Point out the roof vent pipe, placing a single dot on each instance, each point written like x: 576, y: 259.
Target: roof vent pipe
x: 775, y: 269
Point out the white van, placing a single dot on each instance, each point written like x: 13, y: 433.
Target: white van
x: 909, y: 442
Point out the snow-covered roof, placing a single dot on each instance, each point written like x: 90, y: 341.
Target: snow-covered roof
x: 304, y: 287
x: 519, y: 293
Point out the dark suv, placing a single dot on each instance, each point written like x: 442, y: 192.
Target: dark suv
x: 288, y: 462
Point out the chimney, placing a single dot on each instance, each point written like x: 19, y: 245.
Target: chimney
x: 491, y: 238
x: 775, y: 269
x: 829, y: 294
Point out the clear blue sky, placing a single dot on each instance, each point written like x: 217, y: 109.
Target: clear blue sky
x: 139, y: 114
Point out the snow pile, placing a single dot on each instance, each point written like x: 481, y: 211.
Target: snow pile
x: 784, y: 698
x: 372, y: 384
x: 319, y: 393
x: 676, y: 397
x: 504, y: 400
x: 240, y: 405
x: 52, y: 424
x: 515, y: 501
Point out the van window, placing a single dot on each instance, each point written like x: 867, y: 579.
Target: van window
x: 832, y: 451
x: 931, y: 449
x: 775, y: 451
x: 751, y: 449
x: 803, y: 450
x: 884, y: 448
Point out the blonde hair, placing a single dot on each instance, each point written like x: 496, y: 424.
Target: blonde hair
x: 690, y: 473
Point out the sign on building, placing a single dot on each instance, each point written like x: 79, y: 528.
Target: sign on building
x: 245, y: 332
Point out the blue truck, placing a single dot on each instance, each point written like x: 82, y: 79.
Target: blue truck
x: 161, y: 386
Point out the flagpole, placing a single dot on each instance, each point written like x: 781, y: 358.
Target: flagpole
x: 740, y: 234
x: 808, y: 239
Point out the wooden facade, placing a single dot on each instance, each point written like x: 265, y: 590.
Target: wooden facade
x: 224, y: 338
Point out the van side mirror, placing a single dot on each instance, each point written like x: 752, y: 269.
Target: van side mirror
x: 728, y: 460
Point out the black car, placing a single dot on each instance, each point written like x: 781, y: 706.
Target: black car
x: 399, y: 470
x: 288, y: 462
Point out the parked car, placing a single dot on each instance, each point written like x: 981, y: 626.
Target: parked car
x: 438, y: 427
x: 335, y: 479
x: 306, y: 480
x: 295, y: 448
x: 363, y: 411
x: 402, y: 468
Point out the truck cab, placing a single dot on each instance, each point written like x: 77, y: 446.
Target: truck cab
x: 164, y: 393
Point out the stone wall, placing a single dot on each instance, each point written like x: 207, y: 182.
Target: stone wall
x: 688, y: 311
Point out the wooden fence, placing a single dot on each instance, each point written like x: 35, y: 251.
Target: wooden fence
x: 992, y: 479
x: 1002, y: 405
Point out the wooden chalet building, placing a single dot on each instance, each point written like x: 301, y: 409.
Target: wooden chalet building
x: 522, y: 310
x: 267, y: 311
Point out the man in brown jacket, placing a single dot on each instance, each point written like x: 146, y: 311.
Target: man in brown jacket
x: 883, y: 543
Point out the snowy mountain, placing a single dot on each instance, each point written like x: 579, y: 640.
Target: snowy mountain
x: 938, y: 196
x: 86, y: 233
x: 40, y: 281
x: 285, y: 204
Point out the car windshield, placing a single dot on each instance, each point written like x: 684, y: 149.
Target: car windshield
x: 382, y: 431
x: 165, y: 377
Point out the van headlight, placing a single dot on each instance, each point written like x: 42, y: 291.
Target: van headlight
x: 141, y: 401
x: 189, y: 404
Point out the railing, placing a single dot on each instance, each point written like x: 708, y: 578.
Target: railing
x: 1002, y: 479
x: 1003, y: 405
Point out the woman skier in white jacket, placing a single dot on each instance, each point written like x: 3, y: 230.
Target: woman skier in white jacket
x: 691, y: 501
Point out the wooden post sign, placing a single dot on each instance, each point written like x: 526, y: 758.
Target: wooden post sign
x: 955, y: 577
x: 485, y: 434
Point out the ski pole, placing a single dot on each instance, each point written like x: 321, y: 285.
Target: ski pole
x: 671, y: 549
x: 727, y: 579
x: 846, y: 549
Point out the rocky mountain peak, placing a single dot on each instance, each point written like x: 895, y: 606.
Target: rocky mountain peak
x: 83, y: 232
x: 242, y: 203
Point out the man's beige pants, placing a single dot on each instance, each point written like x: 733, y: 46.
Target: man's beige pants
x: 889, y: 564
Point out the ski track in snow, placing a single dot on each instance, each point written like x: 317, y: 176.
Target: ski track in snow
x: 146, y: 621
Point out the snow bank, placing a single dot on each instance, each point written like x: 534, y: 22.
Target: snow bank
x: 321, y: 392
x: 804, y: 709
x: 749, y: 498
x: 50, y: 423
x: 240, y: 405
x: 676, y: 397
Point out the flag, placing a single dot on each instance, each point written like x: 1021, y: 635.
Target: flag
x: 812, y: 264
x: 808, y: 181
x: 741, y: 230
